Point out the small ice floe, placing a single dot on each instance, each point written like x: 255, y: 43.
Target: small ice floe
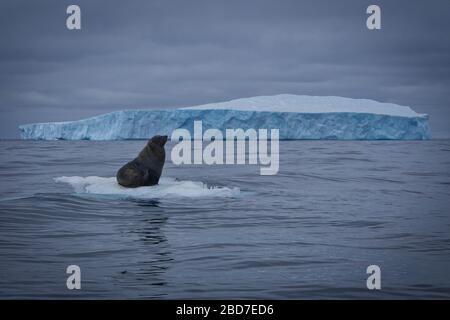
x: 167, y: 188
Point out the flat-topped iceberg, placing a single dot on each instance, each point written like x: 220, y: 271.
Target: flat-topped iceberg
x: 296, y: 117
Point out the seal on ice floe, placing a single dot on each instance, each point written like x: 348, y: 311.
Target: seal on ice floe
x: 146, y: 169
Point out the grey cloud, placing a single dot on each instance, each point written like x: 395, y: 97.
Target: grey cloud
x: 159, y: 54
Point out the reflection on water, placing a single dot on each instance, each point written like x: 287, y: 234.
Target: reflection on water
x: 150, y: 266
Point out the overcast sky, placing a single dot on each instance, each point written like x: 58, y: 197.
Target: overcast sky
x: 161, y: 54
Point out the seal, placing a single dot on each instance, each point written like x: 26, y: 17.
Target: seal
x: 145, y: 170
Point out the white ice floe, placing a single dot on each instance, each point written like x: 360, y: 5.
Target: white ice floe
x: 167, y: 188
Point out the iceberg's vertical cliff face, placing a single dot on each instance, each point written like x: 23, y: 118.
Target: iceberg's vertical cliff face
x: 326, y: 121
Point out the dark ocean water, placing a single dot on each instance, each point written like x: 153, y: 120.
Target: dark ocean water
x: 335, y: 208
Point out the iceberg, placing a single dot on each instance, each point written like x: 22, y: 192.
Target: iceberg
x: 296, y: 117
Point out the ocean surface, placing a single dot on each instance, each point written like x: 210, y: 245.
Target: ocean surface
x: 225, y: 231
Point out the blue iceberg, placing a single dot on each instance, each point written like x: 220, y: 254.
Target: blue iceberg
x: 296, y: 117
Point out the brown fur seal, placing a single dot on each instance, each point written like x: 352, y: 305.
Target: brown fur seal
x: 146, y: 169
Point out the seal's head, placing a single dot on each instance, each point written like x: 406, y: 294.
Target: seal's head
x: 158, y: 140
x: 154, y: 149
